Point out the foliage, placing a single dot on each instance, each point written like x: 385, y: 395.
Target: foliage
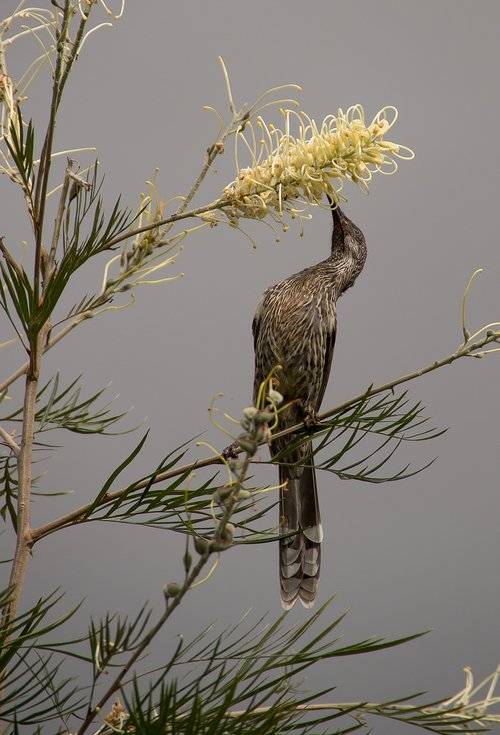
x: 247, y: 678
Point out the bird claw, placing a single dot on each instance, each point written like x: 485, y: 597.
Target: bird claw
x: 310, y: 419
x: 232, y: 451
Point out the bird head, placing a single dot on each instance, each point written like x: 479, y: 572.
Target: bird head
x: 346, y: 235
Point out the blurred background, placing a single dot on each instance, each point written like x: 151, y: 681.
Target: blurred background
x: 403, y: 557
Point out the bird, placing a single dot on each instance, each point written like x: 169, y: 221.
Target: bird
x: 294, y: 327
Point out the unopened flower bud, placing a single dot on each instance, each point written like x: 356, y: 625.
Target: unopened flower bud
x: 259, y: 434
x: 264, y: 417
x: 172, y: 589
x: 243, y: 494
x: 250, y: 412
x: 201, y: 545
x: 187, y: 560
x: 222, y: 493
x: 247, y: 443
x: 228, y: 532
x: 236, y: 465
x: 275, y: 397
x: 219, y: 544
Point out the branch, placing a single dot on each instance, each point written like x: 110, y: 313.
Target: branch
x: 61, y: 74
x: 10, y: 260
x: 50, y: 343
x: 58, y: 221
x: 24, y: 472
x: 217, y: 204
x: 80, y: 513
x: 443, y: 716
x: 465, y: 350
x: 433, y: 718
x: 46, y: 154
x: 10, y: 442
x: 213, y: 151
x: 221, y: 538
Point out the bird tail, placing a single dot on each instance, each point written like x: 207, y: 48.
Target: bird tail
x: 300, y: 554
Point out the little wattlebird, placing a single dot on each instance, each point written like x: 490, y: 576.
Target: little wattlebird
x: 294, y: 327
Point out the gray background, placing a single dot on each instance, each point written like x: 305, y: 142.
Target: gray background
x: 403, y: 557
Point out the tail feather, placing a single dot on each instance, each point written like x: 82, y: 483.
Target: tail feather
x: 300, y: 554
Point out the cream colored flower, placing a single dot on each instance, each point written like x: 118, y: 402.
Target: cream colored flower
x: 288, y: 171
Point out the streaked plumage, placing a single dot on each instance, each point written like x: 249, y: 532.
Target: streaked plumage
x: 295, y: 326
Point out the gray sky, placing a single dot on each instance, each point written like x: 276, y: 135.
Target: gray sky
x: 403, y: 557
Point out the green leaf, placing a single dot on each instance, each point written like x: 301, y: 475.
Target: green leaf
x: 245, y: 680
x: 65, y: 409
x: 15, y: 283
x: 21, y: 149
x: 8, y: 490
x: 372, y: 430
x: 33, y: 691
x: 102, y: 493
x: 79, y: 248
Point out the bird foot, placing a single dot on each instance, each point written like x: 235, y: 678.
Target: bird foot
x: 310, y: 419
x: 232, y: 451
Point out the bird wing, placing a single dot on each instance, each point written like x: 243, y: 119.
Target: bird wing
x: 330, y: 344
x: 256, y: 321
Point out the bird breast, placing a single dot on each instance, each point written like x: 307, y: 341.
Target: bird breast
x: 295, y: 318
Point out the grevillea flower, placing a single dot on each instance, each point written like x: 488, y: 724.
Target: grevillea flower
x: 288, y: 171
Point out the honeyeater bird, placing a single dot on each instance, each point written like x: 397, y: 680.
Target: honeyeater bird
x: 295, y: 326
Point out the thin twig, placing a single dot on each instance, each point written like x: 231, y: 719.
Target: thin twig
x: 9, y: 440
x: 10, y: 260
x: 58, y: 221
x: 463, y: 351
x: 217, y: 204
x: 380, y: 709
x: 46, y: 155
x: 22, y: 369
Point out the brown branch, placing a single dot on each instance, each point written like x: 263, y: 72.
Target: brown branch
x: 9, y: 440
x: 42, y: 180
x: 213, y: 151
x: 24, y: 539
x: 10, y: 260
x: 58, y: 222
x: 463, y: 351
x: 217, y: 204
x: 22, y: 369
x: 80, y: 513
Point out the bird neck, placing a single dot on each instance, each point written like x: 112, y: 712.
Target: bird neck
x: 345, y: 264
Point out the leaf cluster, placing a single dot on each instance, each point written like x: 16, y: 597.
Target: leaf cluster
x: 245, y: 679
x: 65, y: 408
x: 21, y: 147
x: 34, y: 688
x: 169, y: 499
x: 363, y: 438
x: 248, y: 678
x: 86, y: 233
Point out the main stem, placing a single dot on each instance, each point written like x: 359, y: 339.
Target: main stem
x: 24, y: 470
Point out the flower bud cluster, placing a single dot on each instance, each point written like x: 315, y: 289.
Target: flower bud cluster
x: 255, y: 423
x: 224, y: 540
